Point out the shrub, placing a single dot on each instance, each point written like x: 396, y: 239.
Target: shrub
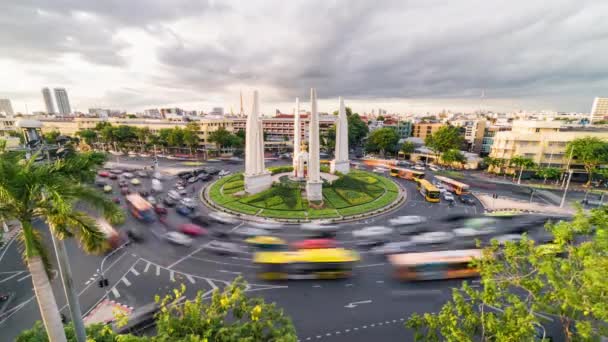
x: 322, y: 213
x: 334, y: 199
x: 293, y: 214
x: 354, y: 197
x: 241, y: 207
x: 280, y: 169
x: 234, y: 184
x: 324, y: 168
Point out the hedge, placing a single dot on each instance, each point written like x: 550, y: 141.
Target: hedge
x: 280, y: 169
x: 293, y: 214
x: 322, y: 213
x: 388, y: 198
x: 354, y: 197
x: 241, y: 207
x: 334, y: 199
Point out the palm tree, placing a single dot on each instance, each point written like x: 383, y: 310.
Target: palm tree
x: 522, y: 163
x: 49, y: 192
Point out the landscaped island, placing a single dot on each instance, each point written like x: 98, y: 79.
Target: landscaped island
x: 356, y: 193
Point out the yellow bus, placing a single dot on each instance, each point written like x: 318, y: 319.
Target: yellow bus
x: 406, y: 173
x: 326, y: 263
x: 428, y: 191
x: 454, y: 186
x: 435, y: 265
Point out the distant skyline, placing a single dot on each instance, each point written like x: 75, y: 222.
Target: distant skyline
x: 402, y: 56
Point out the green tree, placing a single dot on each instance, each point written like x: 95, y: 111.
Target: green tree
x: 49, y: 192
x: 521, y: 163
x: 443, y: 140
x: 17, y: 135
x: 163, y: 136
x: 51, y: 137
x: 382, y: 140
x: 453, y: 156
x: 523, y: 282
x: 589, y: 151
x: 493, y: 163
x: 88, y: 135
x: 548, y: 173
x: 190, y: 139
x: 95, y: 332
x: 101, y: 125
x: 328, y: 140
x: 175, y: 137
x: 357, y: 129
x: 221, y: 137
x: 407, y: 148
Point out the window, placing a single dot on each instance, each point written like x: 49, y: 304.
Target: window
x: 537, y: 130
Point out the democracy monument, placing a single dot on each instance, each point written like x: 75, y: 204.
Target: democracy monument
x: 304, y: 190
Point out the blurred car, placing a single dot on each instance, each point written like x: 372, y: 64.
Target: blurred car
x: 192, y: 229
x: 392, y: 248
x: 116, y: 171
x: 142, y: 317
x: 157, y: 186
x: 169, y: 202
x: 113, y: 176
x: 100, y: 183
x: 212, y: 170
x: 223, y: 248
x: 503, y: 239
x: 144, y: 193
x: 223, y: 217
x: 467, y: 199
x: 249, y: 232
x: 184, y: 174
x: 380, y: 170
x: 135, y: 181
x: 151, y: 200
x: 203, y: 177
x: 142, y: 174
x: 160, y: 209
x: 183, y: 191
x: 266, y: 225
x: 103, y: 174
x: 434, y: 168
x: 178, y: 238
x: 4, y: 297
x: 124, y: 190
x: 266, y: 242
x: 223, y: 173
x: 107, y: 188
x: 431, y: 238
x: 370, y: 232
x: 174, y: 195
x: 128, y: 175
x: 413, y: 229
x: 473, y: 232
x: 419, y: 167
x: 122, y: 183
x: 371, y: 243
x: 135, y: 235
x: 201, y: 219
x: 183, y: 210
x: 314, y: 244
x: 116, y: 200
x: 406, y: 220
x: 188, y: 202
x: 448, y: 197
x: 192, y: 180
x: 157, y: 175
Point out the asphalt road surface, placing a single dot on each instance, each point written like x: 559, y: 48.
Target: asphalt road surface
x: 369, y: 306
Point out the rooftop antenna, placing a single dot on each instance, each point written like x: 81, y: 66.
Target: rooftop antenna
x: 483, y: 95
x: 241, y: 112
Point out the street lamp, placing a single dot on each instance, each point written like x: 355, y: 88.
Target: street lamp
x: 103, y: 282
x: 561, y: 205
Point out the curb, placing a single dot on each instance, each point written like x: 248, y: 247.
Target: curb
x: 113, y: 303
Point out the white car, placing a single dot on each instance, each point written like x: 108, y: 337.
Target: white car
x: 178, y: 238
x: 380, y: 170
x: 174, y: 195
x: 249, y: 232
x: 406, y: 220
x: 224, y: 248
x: 473, y: 232
x: 447, y: 196
x: 128, y: 175
x: 158, y: 176
x: 434, y: 168
x: 188, y: 202
x: 266, y: 225
x: 392, y: 248
x: 503, y: 239
x: 157, y: 186
x: 223, y: 217
x: 432, y: 238
x: 419, y: 168
x: 223, y: 173
x: 374, y: 231
x: 151, y: 200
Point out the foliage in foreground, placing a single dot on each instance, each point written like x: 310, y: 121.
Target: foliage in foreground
x: 230, y: 315
x: 524, y: 283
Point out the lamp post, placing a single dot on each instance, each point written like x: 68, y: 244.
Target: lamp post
x: 561, y: 205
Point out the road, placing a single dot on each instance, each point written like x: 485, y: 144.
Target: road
x: 370, y: 305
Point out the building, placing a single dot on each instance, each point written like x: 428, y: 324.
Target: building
x: 488, y: 138
x: 403, y: 128
x: 5, y: 107
x: 542, y: 141
x: 217, y: 111
x: 63, y: 103
x: 423, y: 129
x: 48, y: 101
x: 599, y: 110
x: 473, y: 134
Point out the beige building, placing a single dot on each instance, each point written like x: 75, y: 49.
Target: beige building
x: 423, y: 129
x: 542, y: 141
x: 599, y: 110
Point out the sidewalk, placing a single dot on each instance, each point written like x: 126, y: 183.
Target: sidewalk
x: 549, y: 185
x: 506, y: 204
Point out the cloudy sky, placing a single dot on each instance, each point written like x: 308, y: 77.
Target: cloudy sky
x: 403, y: 55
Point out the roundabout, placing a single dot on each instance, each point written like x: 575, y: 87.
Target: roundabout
x: 356, y: 195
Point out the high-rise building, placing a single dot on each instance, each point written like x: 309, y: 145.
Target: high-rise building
x: 48, y: 101
x: 5, y: 107
x: 63, y: 103
x: 599, y: 110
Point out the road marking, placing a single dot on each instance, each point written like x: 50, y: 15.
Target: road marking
x: 23, y: 278
x: 185, y: 257
x: 239, y: 258
x: 126, y: 281
x: 115, y: 293
x: 407, y: 293
x: 157, y: 270
x: 380, y: 281
x: 7, y: 246
x: 172, y: 275
x: 355, y: 304
x: 231, y: 272
x: 348, y: 285
x: 190, y: 278
x: 223, y: 263
x: 134, y: 272
x: 371, y: 265
x: 317, y: 286
x: 147, y: 266
x: 11, y: 277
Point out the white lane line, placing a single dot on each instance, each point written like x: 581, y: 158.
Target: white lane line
x: 115, y: 293
x: 190, y: 278
x: 157, y: 270
x: 172, y: 275
x: 126, y: 281
x: 348, y: 285
x: 147, y: 266
x: 223, y: 263
x: 239, y: 258
x: 185, y: 257
x: 23, y: 278
x: 134, y: 272
x: 7, y: 246
x: 11, y: 277
x: 316, y: 286
x: 380, y: 281
x: 231, y: 272
x: 371, y: 265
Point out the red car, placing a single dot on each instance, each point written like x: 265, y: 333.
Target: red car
x: 192, y: 229
x: 314, y: 244
x: 160, y: 210
x: 103, y: 174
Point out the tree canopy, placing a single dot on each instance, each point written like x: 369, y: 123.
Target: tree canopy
x: 453, y: 156
x: 407, y: 147
x: 357, y: 129
x: 223, y: 138
x: 383, y: 140
x: 525, y: 284
x: 444, y: 139
x: 589, y: 151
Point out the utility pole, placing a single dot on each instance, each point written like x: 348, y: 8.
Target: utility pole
x: 568, y: 166
x: 561, y: 205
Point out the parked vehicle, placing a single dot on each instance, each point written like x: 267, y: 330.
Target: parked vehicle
x: 100, y: 183
x: 107, y: 188
x: 174, y: 195
x: 113, y: 176
x: 103, y: 174
x: 223, y: 173
x: 142, y: 174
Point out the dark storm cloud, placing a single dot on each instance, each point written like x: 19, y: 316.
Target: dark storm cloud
x: 368, y: 49
x: 43, y: 30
